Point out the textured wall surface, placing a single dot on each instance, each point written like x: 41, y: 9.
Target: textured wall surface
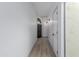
x: 72, y: 29
x: 17, y: 29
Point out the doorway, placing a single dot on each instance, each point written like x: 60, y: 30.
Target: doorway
x: 39, y: 28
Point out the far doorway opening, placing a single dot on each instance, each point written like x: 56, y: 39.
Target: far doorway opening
x: 39, y: 28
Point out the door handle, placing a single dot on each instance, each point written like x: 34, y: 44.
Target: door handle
x: 53, y: 34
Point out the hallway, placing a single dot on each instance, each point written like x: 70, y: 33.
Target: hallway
x: 23, y: 23
x: 42, y: 48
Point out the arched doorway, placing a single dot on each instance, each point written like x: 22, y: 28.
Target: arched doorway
x: 39, y: 28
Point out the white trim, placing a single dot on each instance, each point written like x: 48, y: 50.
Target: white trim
x: 62, y: 29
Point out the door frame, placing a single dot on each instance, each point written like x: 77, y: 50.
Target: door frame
x: 61, y: 30
x: 64, y: 30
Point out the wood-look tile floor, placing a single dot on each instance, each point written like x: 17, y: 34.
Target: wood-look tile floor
x: 42, y: 48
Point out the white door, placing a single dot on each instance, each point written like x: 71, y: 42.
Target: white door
x: 55, y: 32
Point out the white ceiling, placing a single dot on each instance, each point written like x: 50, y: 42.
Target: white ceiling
x: 43, y: 8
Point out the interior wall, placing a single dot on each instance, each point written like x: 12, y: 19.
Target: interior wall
x: 53, y: 29
x: 60, y: 34
x: 72, y: 29
x: 17, y: 29
x: 44, y: 26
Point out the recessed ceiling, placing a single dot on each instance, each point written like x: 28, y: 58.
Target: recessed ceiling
x: 43, y: 8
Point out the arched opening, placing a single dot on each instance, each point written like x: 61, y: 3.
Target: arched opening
x: 39, y: 28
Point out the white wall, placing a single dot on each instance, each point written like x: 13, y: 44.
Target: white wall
x: 53, y: 29
x: 60, y: 36
x: 44, y: 26
x: 72, y: 29
x: 17, y: 29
